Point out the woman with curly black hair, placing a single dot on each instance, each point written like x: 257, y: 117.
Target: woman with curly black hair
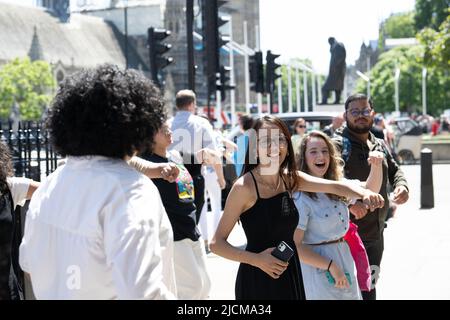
x: 97, y: 228
x: 13, y: 192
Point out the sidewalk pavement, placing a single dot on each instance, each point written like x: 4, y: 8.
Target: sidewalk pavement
x: 416, y: 261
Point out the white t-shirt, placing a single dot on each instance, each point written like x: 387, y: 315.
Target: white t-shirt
x: 96, y: 229
x: 19, y: 189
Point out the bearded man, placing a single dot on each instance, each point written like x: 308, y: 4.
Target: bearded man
x: 355, y: 141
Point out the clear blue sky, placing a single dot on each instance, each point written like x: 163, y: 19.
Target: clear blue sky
x: 300, y: 28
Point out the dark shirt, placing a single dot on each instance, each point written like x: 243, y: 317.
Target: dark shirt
x: 10, y: 272
x: 355, y: 153
x: 178, y: 200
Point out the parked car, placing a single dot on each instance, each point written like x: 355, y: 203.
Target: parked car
x: 408, y: 140
x: 314, y: 120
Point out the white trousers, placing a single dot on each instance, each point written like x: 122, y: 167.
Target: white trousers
x: 191, y: 275
x: 210, y: 220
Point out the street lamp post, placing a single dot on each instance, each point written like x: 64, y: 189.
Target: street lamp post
x: 365, y: 78
x: 424, y: 91
x: 397, y: 94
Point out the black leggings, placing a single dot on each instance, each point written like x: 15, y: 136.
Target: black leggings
x: 375, y: 253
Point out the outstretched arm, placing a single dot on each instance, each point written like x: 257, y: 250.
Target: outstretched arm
x: 341, y: 188
x: 166, y: 171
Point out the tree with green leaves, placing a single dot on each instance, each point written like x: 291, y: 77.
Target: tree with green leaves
x: 29, y: 85
x: 430, y: 13
x: 400, y: 25
x: 437, y: 45
x: 410, y: 62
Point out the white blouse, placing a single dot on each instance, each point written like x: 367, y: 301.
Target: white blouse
x: 97, y: 229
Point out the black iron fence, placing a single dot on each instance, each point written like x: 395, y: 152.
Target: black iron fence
x: 33, y: 155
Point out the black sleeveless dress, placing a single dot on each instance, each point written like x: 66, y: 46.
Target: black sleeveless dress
x: 265, y: 224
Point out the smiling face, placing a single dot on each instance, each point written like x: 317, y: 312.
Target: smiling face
x: 272, y: 145
x: 317, y: 156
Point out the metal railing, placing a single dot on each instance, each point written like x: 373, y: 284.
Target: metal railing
x: 32, y: 153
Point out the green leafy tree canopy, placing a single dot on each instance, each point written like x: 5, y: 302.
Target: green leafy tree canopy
x: 437, y: 45
x: 430, y: 13
x: 27, y: 83
x: 400, y: 25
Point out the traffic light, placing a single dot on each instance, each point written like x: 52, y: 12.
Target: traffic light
x: 157, y: 49
x: 223, y: 82
x: 213, y: 40
x: 256, y: 69
x: 271, y: 75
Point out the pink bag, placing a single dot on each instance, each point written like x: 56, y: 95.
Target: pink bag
x: 359, y: 255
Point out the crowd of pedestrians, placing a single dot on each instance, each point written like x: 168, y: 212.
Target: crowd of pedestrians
x: 125, y: 217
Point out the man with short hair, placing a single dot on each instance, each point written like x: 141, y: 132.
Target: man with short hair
x: 191, y: 135
x: 355, y: 141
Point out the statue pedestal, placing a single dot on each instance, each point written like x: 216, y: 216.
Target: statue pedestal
x: 329, y: 108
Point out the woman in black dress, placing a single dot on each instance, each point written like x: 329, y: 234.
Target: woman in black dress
x: 261, y: 199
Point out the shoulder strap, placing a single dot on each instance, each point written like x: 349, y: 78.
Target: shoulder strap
x: 256, y: 185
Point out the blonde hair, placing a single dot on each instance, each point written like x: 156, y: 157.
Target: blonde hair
x: 335, y: 168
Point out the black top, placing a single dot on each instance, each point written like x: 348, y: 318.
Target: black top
x: 178, y: 200
x: 10, y: 237
x: 267, y: 223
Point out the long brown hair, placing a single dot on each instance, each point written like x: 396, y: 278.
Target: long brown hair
x: 6, y: 169
x: 288, y: 166
x: 335, y: 168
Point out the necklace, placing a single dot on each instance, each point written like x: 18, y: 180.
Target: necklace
x: 261, y: 180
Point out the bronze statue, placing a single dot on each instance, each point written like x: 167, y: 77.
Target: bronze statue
x: 336, y: 75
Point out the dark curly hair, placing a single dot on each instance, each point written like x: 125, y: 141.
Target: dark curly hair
x: 6, y: 169
x: 105, y: 111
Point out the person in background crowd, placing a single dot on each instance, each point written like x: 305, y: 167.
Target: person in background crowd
x: 355, y: 142
x: 378, y: 127
x: 192, y: 279
x: 191, y: 134
x: 299, y: 132
x: 337, y: 122
x: 261, y: 200
x: 96, y: 228
x: 245, y: 123
x: 435, y: 127
x: 213, y: 191
x: 13, y: 192
x: 324, y: 221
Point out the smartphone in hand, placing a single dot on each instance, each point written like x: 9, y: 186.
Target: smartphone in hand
x: 283, y: 252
